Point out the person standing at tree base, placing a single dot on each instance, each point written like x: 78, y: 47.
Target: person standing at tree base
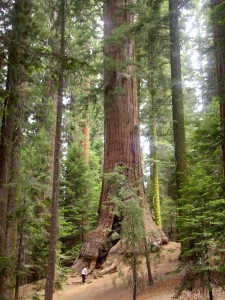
x: 84, y: 274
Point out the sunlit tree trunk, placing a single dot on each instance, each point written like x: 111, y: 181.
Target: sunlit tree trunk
x: 154, y: 139
x: 153, y: 62
x: 86, y: 146
x: 156, y: 200
x: 49, y: 287
x: 86, y: 138
x: 121, y: 129
x: 218, y: 15
x: 177, y: 98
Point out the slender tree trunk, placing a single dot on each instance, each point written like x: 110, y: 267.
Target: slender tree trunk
x: 201, y: 69
x: 209, y: 276
x: 86, y: 138
x: 134, y: 271
x: 156, y: 200
x: 210, y: 292
x: 218, y: 16
x: 121, y: 130
x: 19, y: 261
x: 86, y: 128
x: 152, y: 63
x: 154, y: 152
x: 56, y: 169
x: 11, y: 224
x: 177, y: 99
x: 148, y: 265
x: 86, y: 144
x: 5, y: 163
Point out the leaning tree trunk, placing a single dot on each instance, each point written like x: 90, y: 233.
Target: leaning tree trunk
x: 218, y: 16
x: 121, y: 131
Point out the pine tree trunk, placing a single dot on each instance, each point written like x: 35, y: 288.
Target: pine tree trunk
x: 121, y: 131
x: 86, y: 144
x: 177, y: 98
x: 5, y: 163
x: 86, y: 129
x: 56, y: 168
x: 218, y: 16
x: 19, y: 262
x: 86, y: 138
x: 11, y: 224
x: 152, y: 63
x: 10, y: 145
x: 148, y: 265
x: 134, y: 272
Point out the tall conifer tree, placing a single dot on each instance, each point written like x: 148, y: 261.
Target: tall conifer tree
x: 177, y: 98
x: 218, y: 15
x: 121, y: 125
x: 56, y: 168
x: 10, y: 144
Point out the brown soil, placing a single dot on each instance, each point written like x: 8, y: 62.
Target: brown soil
x: 114, y: 287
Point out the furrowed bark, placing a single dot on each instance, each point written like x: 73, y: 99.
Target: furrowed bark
x: 121, y: 131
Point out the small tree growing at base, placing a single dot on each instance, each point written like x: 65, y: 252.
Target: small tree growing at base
x: 132, y: 233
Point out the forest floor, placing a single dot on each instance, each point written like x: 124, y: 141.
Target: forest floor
x: 114, y: 287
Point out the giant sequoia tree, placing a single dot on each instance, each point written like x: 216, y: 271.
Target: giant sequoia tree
x: 121, y: 128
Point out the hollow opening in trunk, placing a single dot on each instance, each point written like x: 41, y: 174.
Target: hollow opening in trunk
x: 116, y: 228
x: 111, y: 241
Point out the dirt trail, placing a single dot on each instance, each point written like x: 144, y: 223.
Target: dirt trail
x: 101, y: 288
x: 112, y: 287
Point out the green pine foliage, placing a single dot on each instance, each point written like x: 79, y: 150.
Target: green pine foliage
x: 153, y: 72
x: 130, y: 227
x: 34, y: 206
x: 202, y: 214
x: 79, y: 204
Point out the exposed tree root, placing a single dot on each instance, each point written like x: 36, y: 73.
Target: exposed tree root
x: 95, y: 252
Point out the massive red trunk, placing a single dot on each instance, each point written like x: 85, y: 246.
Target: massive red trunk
x: 121, y: 127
